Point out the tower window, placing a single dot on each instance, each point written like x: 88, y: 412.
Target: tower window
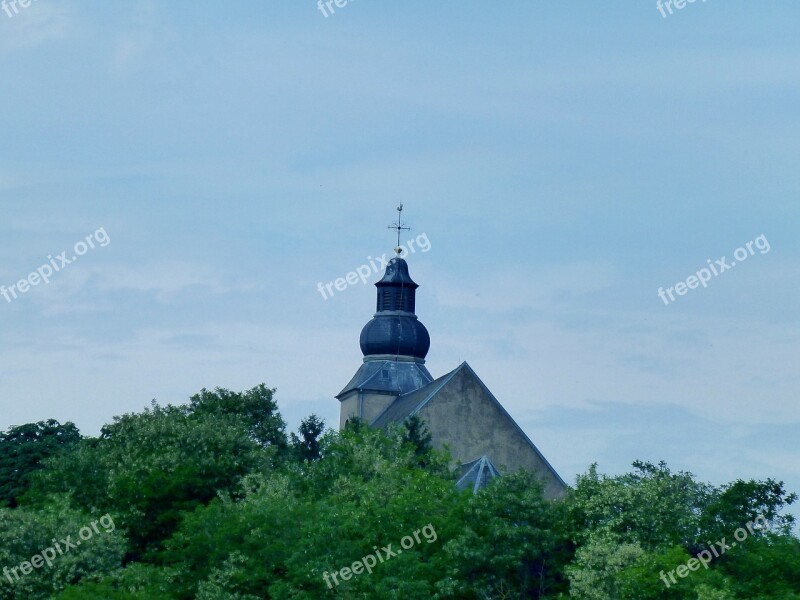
x: 386, y: 300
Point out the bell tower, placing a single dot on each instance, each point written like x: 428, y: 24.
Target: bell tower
x: 394, y: 344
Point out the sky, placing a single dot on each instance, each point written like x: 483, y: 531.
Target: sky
x: 564, y: 160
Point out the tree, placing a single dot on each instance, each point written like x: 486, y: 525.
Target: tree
x: 25, y: 533
x: 307, y: 446
x: 23, y: 450
x: 650, y: 506
x: 634, y: 529
x: 416, y: 433
x: 764, y: 566
x: 595, y: 572
x: 149, y: 467
x: 288, y: 530
x: 135, y: 582
x: 740, y: 502
x: 511, y: 544
x: 257, y: 407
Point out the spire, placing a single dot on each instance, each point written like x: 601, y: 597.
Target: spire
x: 394, y: 330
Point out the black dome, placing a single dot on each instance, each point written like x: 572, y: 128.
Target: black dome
x: 394, y: 335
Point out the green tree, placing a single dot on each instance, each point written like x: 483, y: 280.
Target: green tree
x: 25, y: 533
x: 23, y: 450
x: 763, y: 567
x: 151, y: 466
x: 256, y: 407
x: 636, y: 528
x: 288, y: 529
x: 650, y: 506
x: 511, y: 544
x: 595, y: 573
x: 733, y: 505
x: 135, y: 582
x: 416, y: 433
x: 306, y: 446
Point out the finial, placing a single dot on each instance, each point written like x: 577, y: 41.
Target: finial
x: 399, y: 227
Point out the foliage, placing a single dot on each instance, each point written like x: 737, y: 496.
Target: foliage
x: 511, y: 541
x: 256, y: 408
x: 595, y: 573
x: 772, y: 565
x: 416, y: 433
x: 137, y: 581
x: 632, y: 528
x: 148, y: 468
x: 365, y: 491
x: 212, y: 501
x: 306, y: 446
x: 650, y: 506
x: 25, y: 533
x: 22, y: 450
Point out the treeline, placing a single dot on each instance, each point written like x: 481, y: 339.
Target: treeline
x: 213, y: 500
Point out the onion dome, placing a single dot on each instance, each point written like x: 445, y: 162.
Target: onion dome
x: 394, y: 329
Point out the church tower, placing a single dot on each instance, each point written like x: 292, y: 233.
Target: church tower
x: 394, y: 344
x: 461, y: 413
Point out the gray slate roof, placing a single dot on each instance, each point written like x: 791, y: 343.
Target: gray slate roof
x: 408, y: 404
x: 477, y: 474
x: 388, y: 376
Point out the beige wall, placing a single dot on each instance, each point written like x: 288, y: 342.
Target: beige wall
x: 372, y: 405
x: 348, y: 408
x: 465, y: 417
x: 375, y: 404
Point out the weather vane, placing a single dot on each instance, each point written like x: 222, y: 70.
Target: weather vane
x: 399, y: 227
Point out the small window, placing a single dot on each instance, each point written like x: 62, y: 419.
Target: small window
x: 385, y: 374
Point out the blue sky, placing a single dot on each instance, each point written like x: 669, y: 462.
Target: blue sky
x: 565, y: 160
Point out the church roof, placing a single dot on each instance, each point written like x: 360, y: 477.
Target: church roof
x: 410, y: 403
x: 394, y: 377
x: 397, y: 274
x: 477, y: 474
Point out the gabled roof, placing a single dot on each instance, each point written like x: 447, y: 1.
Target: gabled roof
x: 477, y: 474
x: 410, y: 404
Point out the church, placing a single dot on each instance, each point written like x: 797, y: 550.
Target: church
x: 458, y: 409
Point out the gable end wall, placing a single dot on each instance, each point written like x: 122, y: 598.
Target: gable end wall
x: 465, y: 418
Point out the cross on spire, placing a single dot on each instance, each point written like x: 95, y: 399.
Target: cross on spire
x: 399, y: 227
